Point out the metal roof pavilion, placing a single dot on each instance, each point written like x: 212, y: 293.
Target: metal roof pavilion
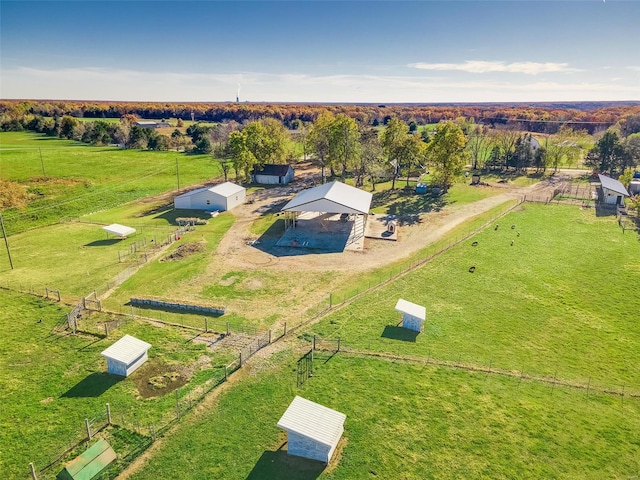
x: 126, y: 350
x: 613, y: 185
x: 334, y: 197
x: 313, y: 420
x: 412, y: 309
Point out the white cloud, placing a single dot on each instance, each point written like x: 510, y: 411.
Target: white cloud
x: 634, y: 68
x: 479, y: 66
x: 104, y: 84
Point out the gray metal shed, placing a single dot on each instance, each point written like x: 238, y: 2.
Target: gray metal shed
x: 313, y: 430
x: 126, y: 355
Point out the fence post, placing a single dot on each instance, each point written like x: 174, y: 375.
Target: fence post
x: 108, y: 414
x: 33, y: 471
x: 226, y: 373
x: 240, y: 357
x: 285, y: 330
x: 330, y: 300
x: 206, y: 325
x: 338, y: 344
x: 88, y: 427
x: 227, y: 329
x: 313, y: 347
x: 106, y: 329
x: 269, y: 336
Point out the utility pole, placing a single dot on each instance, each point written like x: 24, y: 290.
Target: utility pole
x: 42, y: 162
x: 178, y: 174
x: 6, y: 242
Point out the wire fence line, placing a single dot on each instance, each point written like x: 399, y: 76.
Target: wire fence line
x: 588, y: 385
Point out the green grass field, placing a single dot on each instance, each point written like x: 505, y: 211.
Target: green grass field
x: 409, y: 422
x: 560, y: 299
x: 79, y: 179
x: 50, y: 382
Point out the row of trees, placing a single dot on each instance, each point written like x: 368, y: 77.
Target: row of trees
x: 546, y: 118
x: 341, y: 148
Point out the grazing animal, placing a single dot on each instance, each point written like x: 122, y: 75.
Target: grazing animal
x: 512, y: 243
x: 496, y: 227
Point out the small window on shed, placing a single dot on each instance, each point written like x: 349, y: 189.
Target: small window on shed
x: 208, y: 202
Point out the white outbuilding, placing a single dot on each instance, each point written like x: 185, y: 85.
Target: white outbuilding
x: 126, y: 355
x: 313, y: 430
x: 271, y: 174
x: 613, y: 192
x: 412, y: 315
x: 119, y: 230
x: 222, y: 197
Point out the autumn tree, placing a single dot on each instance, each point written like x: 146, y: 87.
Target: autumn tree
x: 319, y: 140
x: 609, y: 155
x: 479, y: 146
x: 393, y: 138
x: 241, y: 156
x: 446, y: 152
x: 370, y: 161
x: 344, y: 147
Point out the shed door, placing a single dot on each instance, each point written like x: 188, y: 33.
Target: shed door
x: 619, y: 200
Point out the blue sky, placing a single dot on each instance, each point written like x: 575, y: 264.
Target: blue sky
x: 321, y: 51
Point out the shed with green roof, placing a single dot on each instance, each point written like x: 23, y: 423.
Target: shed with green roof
x: 90, y: 464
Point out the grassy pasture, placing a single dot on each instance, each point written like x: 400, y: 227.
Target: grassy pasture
x: 408, y: 422
x: 51, y: 383
x: 561, y: 299
x: 80, y: 179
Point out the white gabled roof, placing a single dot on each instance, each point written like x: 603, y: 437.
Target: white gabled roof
x: 119, y: 230
x: 126, y: 350
x: 334, y: 197
x: 613, y: 185
x: 313, y: 420
x: 225, y: 189
x: 412, y: 309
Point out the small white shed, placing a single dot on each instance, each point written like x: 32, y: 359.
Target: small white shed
x: 412, y: 315
x: 126, y: 355
x: 222, y: 197
x: 313, y: 430
x: 119, y: 230
x: 613, y: 192
x: 272, y: 174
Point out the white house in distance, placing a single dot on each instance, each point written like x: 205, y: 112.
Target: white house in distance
x: 271, y: 174
x: 412, y: 315
x: 222, y: 197
x: 126, y: 355
x: 313, y: 430
x: 613, y: 192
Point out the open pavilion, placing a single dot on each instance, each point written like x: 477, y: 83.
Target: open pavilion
x: 329, y: 217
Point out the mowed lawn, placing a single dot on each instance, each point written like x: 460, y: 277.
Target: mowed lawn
x: 408, y: 422
x: 50, y: 383
x: 562, y: 300
x: 78, y: 257
x: 80, y: 179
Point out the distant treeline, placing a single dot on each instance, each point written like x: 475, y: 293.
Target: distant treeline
x: 542, y: 118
